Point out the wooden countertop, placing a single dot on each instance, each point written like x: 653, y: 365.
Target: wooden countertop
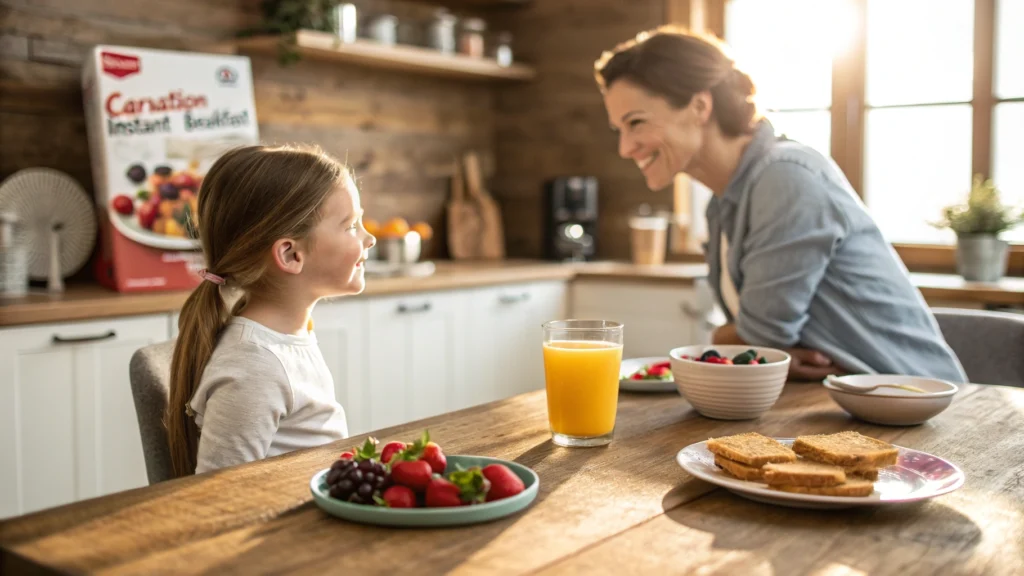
x: 626, y: 504
x: 89, y: 301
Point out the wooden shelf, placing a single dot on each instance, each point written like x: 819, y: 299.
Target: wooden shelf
x: 327, y: 47
x: 477, y: 4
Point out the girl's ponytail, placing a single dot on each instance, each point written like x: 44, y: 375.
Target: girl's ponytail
x: 201, y: 320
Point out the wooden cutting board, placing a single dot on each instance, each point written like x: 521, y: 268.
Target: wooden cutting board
x: 464, y: 221
x: 492, y: 233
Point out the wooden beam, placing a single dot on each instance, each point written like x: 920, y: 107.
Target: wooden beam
x: 849, y: 70
x: 983, y: 101
x: 679, y: 12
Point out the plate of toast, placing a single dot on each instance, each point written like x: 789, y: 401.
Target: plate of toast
x: 839, y: 470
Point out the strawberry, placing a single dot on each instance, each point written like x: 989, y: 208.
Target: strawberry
x: 433, y: 455
x: 389, y: 450
x: 665, y: 365
x: 415, y: 474
x: 441, y: 493
x: 504, y: 482
x: 398, y: 497
x: 347, y: 455
x: 472, y: 484
x: 657, y: 371
x: 368, y: 451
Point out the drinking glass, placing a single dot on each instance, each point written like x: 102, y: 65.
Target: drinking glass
x: 581, y: 375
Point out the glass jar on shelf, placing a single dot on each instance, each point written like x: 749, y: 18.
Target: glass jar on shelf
x: 442, y: 32
x: 384, y: 29
x: 471, y: 41
x: 503, y: 49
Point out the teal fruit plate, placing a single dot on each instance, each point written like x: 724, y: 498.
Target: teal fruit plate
x: 432, y: 517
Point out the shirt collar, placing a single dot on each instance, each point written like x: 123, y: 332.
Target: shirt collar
x: 764, y: 137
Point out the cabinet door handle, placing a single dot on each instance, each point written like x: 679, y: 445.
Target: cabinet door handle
x: 80, y: 339
x: 403, y: 309
x: 513, y: 298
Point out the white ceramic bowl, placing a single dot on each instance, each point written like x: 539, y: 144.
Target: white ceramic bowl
x: 892, y: 406
x: 727, y: 391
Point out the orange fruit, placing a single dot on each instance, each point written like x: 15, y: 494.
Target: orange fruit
x: 395, y: 228
x: 371, y: 226
x: 424, y: 230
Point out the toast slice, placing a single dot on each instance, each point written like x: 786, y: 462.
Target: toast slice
x: 848, y: 449
x: 852, y: 487
x: 803, y: 473
x: 871, y: 475
x: 751, y: 449
x: 738, y: 469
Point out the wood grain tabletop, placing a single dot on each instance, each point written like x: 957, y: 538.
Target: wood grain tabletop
x: 624, y: 508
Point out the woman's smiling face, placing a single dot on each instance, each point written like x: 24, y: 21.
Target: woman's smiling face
x: 661, y: 139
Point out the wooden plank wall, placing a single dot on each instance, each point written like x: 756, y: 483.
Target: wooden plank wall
x: 399, y: 131
x: 558, y: 125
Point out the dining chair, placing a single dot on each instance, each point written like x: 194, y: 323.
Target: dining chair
x: 150, y: 375
x: 990, y: 345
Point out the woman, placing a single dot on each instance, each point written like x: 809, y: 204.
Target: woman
x: 795, y: 259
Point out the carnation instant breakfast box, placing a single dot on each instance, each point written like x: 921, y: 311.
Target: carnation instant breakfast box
x: 156, y: 121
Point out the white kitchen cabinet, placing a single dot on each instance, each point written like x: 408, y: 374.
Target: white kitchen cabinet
x: 656, y: 318
x: 414, y: 358
x: 504, y: 339
x: 68, y: 428
x: 340, y: 328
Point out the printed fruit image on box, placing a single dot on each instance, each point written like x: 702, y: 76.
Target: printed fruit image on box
x: 157, y: 120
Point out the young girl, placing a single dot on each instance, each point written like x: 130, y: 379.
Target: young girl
x: 282, y: 226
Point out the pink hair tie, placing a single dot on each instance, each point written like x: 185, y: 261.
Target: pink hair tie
x: 211, y: 277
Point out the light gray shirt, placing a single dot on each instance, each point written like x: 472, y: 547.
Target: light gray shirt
x: 263, y: 393
x: 813, y: 270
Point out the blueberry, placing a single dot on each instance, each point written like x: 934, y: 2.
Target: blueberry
x: 164, y: 171
x: 168, y: 191
x: 136, y: 173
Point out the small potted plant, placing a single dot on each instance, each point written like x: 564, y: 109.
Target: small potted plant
x: 980, y: 254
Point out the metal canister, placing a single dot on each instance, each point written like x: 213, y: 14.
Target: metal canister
x: 346, y: 22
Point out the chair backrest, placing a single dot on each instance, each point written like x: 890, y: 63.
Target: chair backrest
x: 990, y: 345
x: 150, y: 374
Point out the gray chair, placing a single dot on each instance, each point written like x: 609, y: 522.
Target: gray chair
x: 150, y: 374
x: 990, y: 345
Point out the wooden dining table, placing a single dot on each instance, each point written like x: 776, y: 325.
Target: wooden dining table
x: 625, y: 508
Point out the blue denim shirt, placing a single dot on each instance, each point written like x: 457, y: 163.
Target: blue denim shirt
x: 813, y: 270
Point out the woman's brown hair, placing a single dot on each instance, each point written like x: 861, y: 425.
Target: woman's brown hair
x: 250, y: 198
x: 675, y: 64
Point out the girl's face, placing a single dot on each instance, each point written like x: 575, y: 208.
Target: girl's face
x: 339, y: 245
x: 660, y: 139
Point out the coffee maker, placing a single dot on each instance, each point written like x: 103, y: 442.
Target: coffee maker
x: 570, y: 218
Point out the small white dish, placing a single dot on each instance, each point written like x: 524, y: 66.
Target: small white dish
x: 916, y: 476
x: 631, y: 365
x: 892, y: 406
x: 730, y: 391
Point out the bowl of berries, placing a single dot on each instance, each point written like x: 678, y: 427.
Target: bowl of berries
x: 730, y: 382
x: 416, y: 484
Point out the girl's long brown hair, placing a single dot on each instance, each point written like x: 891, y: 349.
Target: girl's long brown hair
x: 250, y: 198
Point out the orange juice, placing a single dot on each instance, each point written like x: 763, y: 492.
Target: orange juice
x: 582, y: 378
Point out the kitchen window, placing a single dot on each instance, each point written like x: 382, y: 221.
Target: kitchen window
x: 910, y: 97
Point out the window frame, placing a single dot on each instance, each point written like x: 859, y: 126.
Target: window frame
x: 849, y: 71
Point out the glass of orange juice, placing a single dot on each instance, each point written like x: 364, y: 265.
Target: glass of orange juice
x: 581, y: 374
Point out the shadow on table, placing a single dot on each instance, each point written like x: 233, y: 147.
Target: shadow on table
x: 807, y: 541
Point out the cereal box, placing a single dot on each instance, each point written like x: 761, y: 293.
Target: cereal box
x: 156, y: 121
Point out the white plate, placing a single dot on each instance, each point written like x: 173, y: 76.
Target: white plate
x: 916, y: 476
x: 631, y: 365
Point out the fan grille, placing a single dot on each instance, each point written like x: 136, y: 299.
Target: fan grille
x: 42, y: 198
